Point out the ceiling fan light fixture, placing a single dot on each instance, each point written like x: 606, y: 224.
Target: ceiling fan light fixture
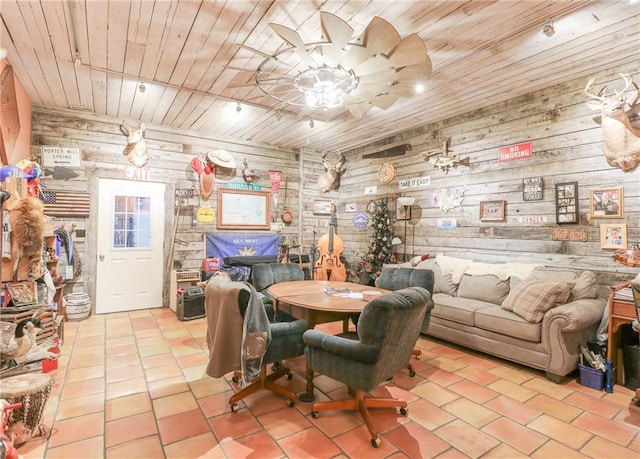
x: 419, y: 88
x: 325, y: 87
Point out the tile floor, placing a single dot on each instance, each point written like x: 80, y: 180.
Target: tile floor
x: 133, y: 385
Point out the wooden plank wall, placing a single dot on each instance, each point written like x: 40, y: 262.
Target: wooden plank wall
x: 171, y: 152
x: 567, y: 145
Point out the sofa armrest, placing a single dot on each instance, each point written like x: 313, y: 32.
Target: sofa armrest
x: 575, y: 316
x: 566, y: 327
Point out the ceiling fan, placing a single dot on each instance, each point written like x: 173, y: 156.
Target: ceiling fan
x: 373, y: 70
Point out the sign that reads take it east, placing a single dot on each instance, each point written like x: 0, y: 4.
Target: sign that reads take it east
x: 512, y: 152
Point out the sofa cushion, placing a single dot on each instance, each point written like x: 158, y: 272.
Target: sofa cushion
x: 456, y: 309
x: 484, y: 288
x: 498, y: 320
x: 586, y: 286
x: 531, y: 299
x: 442, y: 284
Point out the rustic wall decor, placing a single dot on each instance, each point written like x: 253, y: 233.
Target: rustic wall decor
x: 532, y: 189
x: 492, y: 211
x: 9, y: 117
x: 566, y: 203
x: 606, y: 202
x: 240, y: 209
x: 321, y: 207
x: 613, y: 236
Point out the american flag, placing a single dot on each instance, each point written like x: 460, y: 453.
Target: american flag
x: 65, y: 203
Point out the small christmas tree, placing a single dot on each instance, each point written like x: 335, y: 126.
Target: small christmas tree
x: 380, y: 249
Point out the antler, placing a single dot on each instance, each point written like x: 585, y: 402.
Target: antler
x: 588, y: 89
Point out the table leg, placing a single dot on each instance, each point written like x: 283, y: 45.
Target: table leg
x: 308, y: 395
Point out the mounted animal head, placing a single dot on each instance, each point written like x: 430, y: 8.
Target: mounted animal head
x: 136, y: 149
x: 621, y: 138
x: 333, y: 170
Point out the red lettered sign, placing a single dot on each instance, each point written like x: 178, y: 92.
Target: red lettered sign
x: 522, y: 150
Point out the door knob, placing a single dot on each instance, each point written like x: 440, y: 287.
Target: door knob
x: 101, y: 257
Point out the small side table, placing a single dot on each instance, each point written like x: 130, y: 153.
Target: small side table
x: 620, y: 312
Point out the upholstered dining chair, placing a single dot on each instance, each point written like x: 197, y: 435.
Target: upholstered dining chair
x: 264, y: 275
x: 388, y: 329
x: 241, y: 337
x: 399, y: 278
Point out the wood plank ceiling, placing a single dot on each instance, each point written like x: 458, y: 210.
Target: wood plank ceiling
x: 187, y: 54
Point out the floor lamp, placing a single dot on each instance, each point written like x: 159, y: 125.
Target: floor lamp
x: 406, y: 202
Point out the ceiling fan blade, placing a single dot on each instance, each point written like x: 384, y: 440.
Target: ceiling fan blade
x: 338, y: 33
x: 384, y: 101
x: 358, y: 109
x: 380, y: 37
x: 403, y: 90
x: 356, y: 55
x: 411, y: 50
x: 293, y: 38
x: 335, y: 29
x: 377, y: 64
x: 268, y: 56
x: 416, y: 73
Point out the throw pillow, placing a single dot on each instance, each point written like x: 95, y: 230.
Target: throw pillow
x: 586, y: 286
x: 531, y: 299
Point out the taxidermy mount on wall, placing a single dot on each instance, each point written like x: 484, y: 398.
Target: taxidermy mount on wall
x: 136, y: 149
x: 333, y: 170
x: 619, y: 114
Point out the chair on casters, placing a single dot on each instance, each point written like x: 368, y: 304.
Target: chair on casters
x: 264, y: 275
x: 388, y: 329
x: 240, y: 336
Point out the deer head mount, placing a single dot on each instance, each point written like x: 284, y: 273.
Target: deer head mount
x: 136, y: 149
x: 333, y: 170
x: 621, y: 138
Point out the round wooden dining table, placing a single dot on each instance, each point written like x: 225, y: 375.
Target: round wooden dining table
x: 320, y: 302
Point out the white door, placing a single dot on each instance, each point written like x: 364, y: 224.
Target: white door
x: 129, y: 269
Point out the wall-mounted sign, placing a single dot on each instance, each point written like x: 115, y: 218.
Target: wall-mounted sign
x: 447, y: 223
x: 61, y: 156
x: 370, y: 190
x: 244, y: 186
x: 414, y: 182
x: 137, y: 173
x: 532, y: 189
x: 520, y: 151
x: 350, y: 207
x: 206, y: 214
x: 360, y: 220
x: 186, y: 192
x: 532, y: 219
x: 562, y: 234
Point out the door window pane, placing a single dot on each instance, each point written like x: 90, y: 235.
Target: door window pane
x: 132, y: 222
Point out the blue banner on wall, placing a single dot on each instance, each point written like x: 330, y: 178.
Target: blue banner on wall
x: 241, y: 245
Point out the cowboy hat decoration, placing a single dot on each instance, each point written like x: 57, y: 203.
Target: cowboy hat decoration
x: 221, y: 158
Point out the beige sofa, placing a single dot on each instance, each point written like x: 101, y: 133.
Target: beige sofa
x: 525, y: 313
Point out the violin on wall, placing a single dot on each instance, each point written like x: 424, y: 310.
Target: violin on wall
x: 329, y: 266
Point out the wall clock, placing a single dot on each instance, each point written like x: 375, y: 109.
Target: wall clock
x: 386, y: 172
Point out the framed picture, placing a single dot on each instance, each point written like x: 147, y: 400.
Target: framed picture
x: 613, y: 236
x: 566, y: 203
x: 492, y: 211
x: 242, y: 209
x: 321, y: 207
x: 606, y: 202
x: 532, y: 189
